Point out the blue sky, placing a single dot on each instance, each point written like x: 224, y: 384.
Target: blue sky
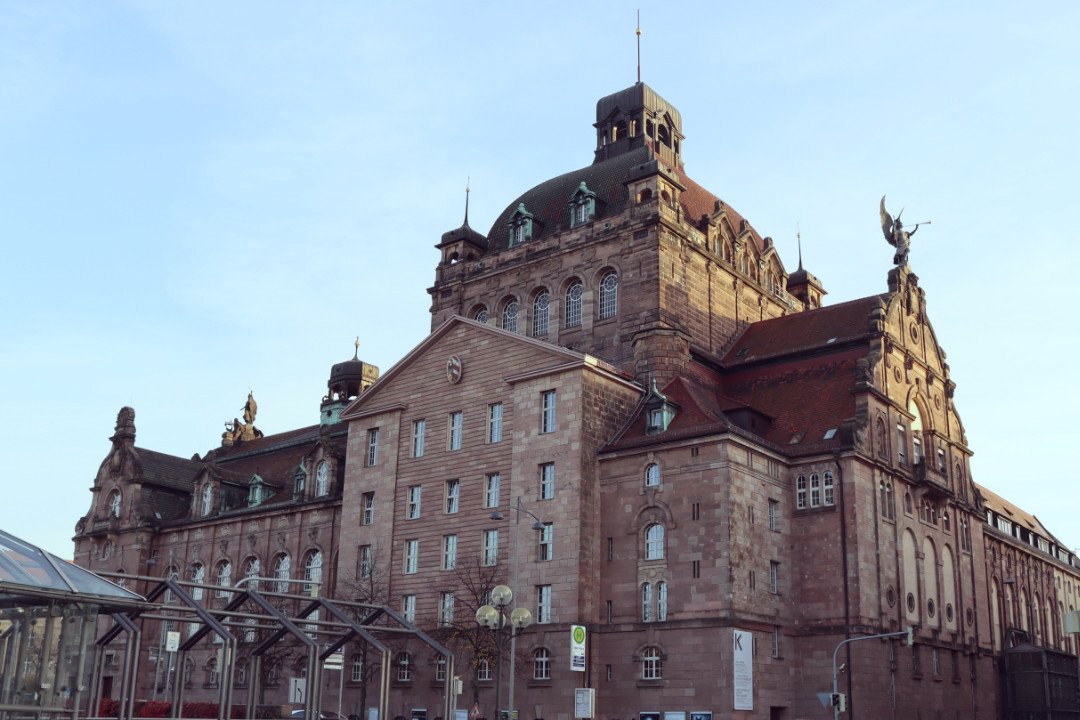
x: 201, y: 198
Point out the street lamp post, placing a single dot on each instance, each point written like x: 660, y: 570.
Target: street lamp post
x: 496, y: 620
x: 538, y: 525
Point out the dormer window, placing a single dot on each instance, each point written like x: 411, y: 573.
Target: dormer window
x: 255, y: 491
x: 207, y: 503
x: 521, y: 226
x: 299, y: 481
x: 659, y: 412
x: 582, y: 206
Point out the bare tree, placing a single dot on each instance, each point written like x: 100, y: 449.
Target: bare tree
x: 371, y: 584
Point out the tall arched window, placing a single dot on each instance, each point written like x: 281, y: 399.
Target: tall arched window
x: 114, y: 503
x: 509, y: 316
x: 207, y: 499
x: 654, y: 542
x: 481, y: 315
x: 652, y: 475
x: 322, y: 479
x: 540, y: 314
x: 661, y: 601
x: 313, y: 570
x: 609, y: 295
x: 251, y: 570
x: 652, y: 667
x: 224, y: 577
x: 916, y: 433
x: 483, y: 670
x: 646, y: 602
x: 198, y: 575
x: 572, y: 313
x: 542, y: 664
x: 282, y: 568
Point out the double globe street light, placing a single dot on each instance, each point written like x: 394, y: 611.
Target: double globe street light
x: 495, y: 619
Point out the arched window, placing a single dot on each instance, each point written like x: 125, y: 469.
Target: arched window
x: 282, y: 568
x: 661, y: 601
x: 404, y: 667
x: 652, y: 667
x: 251, y: 570
x: 960, y: 484
x: 891, y: 498
x: 946, y: 525
x: 916, y: 433
x: 540, y: 314
x: 881, y: 443
x: 198, y: 575
x: 654, y: 542
x: 815, y: 490
x: 509, y: 316
x: 322, y: 479
x: 646, y: 602
x: 652, y: 475
x: 609, y: 295
x: 481, y: 315
x: 313, y: 571
x: 828, y: 498
x: 800, y: 492
x: 224, y: 577
x: 644, y: 196
x: 908, y: 509
x: 541, y: 664
x: 440, y: 669
x: 114, y: 503
x: 207, y: 499
x: 572, y: 314
x: 619, y: 131
x: 483, y: 670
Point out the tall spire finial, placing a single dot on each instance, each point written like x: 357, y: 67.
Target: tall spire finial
x: 798, y: 236
x: 467, y: 181
x: 638, y: 33
x: 356, y: 355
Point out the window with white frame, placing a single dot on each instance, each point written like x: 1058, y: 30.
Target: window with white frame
x: 818, y: 491
x: 609, y: 293
x: 481, y: 315
x: 412, y: 556
x: 652, y: 667
x: 510, y: 316
x: 408, y: 607
x: 774, y: 577
x: 483, y: 671
x: 446, y: 609
x: 413, y: 508
x: 404, y: 667
x: 491, y: 548
x: 357, y: 668
x: 545, y: 543
x: 776, y: 641
x: 198, y: 575
x: 654, y: 542
x: 661, y: 601
x: 251, y: 571
x: 369, y: 508
x: 541, y: 664
x: 282, y: 569
x: 449, y: 552
x: 418, y: 438
x: 453, y: 431
x: 774, y: 515
x: 453, y: 489
x: 491, y: 491
x: 313, y: 572
x: 373, y: 447
x: 440, y: 669
x: 224, y: 577
x: 572, y: 312
x: 815, y: 490
x: 322, y: 479
x: 646, y: 602
x: 543, y: 604
x: 540, y: 314
x: 901, y: 443
x: 827, y: 489
x: 114, y: 503
x: 800, y: 492
x: 652, y: 475
x: 495, y: 417
x: 363, y: 562
x: 547, y: 481
x: 547, y: 411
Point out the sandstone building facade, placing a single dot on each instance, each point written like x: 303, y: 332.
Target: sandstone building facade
x: 708, y: 456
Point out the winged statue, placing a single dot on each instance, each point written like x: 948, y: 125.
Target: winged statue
x: 895, y: 234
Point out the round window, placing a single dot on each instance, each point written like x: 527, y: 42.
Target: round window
x: 931, y: 608
x: 910, y: 602
x: 949, y: 612
x: 890, y: 595
x: 969, y: 616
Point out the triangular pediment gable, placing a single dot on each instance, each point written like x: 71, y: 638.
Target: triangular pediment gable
x: 500, y: 342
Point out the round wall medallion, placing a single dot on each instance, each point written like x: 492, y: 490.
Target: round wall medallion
x: 937, y: 401
x: 910, y: 602
x: 890, y: 595
x: 896, y: 374
x: 914, y: 330
x: 453, y: 369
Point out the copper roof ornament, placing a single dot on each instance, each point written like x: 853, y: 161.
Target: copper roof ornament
x: 896, y: 235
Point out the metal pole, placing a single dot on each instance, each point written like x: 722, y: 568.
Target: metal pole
x: 499, y: 646
x: 514, y: 589
x: 340, y: 684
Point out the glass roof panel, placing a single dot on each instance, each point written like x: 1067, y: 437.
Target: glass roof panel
x: 24, y: 564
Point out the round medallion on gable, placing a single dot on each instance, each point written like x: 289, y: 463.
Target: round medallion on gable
x: 937, y: 401
x: 914, y: 332
x: 910, y: 602
x: 896, y: 373
x: 453, y: 370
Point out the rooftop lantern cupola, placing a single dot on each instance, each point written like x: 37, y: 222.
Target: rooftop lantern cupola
x: 634, y: 117
x: 347, y: 380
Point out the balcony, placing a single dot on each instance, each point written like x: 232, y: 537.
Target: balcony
x: 929, y: 476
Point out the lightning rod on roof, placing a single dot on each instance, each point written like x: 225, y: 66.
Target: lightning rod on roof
x: 638, y: 33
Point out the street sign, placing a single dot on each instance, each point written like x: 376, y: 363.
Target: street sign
x: 475, y: 712
x: 825, y: 698
x: 172, y: 641
x: 577, y: 648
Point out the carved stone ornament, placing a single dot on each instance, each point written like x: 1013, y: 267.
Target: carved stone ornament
x: 282, y: 538
x: 224, y: 545
x: 313, y: 535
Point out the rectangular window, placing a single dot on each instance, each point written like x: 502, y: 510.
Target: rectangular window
x: 827, y: 487
x: 695, y: 568
x: 418, y: 438
x: 941, y: 459
x: 369, y: 508
x: 412, y: 556
x: 936, y: 660
x: 491, y: 491
x: 544, y: 539
x: 543, y: 604
x: 916, y: 448
x: 610, y: 612
x: 357, y: 669
x: 901, y: 444
x: 695, y: 511
x: 363, y: 562
x: 610, y: 549
x: 774, y: 514
x: 446, y: 610
x: 453, y: 489
x: 414, y: 502
x: 453, y: 431
x: 491, y: 547
x: 774, y: 577
x: 815, y: 490
x: 547, y: 413
x: 373, y: 447
x: 800, y: 492
x: 408, y: 607
x: 547, y: 481
x: 495, y: 414
x: 449, y: 552
x: 776, y: 641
